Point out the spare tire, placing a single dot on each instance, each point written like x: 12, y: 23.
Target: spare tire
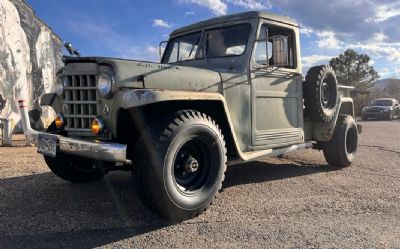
x: 321, y: 96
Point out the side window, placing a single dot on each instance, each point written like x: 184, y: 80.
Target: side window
x: 275, y: 45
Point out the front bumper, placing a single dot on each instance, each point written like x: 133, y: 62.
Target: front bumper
x: 97, y: 150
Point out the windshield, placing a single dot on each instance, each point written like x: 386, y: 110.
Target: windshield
x: 221, y: 42
x: 381, y: 102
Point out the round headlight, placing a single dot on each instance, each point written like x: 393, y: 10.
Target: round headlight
x: 105, y: 84
x: 59, y: 86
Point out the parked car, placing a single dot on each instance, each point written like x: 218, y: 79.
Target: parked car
x: 384, y: 108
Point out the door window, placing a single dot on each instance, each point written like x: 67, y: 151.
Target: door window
x: 273, y: 42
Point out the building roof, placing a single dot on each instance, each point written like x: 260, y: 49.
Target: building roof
x: 236, y: 17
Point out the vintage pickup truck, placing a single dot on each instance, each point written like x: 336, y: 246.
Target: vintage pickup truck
x: 227, y: 90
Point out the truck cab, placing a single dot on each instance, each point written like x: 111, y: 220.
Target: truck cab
x: 227, y: 90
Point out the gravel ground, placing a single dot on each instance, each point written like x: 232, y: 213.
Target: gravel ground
x: 291, y: 202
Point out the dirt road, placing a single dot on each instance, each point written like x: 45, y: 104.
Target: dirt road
x: 293, y: 202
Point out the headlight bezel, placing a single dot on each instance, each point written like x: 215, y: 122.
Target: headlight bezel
x: 106, y: 83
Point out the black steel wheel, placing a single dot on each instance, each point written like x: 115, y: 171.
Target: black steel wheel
x: 341, y: 150
x: 179, y: 165
x: 321, y: 94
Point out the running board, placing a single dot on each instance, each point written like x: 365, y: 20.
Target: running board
x: 254, y: 155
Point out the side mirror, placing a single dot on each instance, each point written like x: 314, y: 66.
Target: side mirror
x: 161, y: 48
x: 280, y: 51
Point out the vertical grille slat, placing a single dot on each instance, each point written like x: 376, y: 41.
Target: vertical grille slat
x: 81, y: 100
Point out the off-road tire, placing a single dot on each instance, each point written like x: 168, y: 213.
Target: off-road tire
x: 341, y: 150
x: 158, y: 175
x: 321, y: 96
x: 74, y: 169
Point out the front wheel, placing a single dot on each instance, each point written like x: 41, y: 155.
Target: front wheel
x: 340, y: 151
x: 179, y: 165
x: 76, y: 169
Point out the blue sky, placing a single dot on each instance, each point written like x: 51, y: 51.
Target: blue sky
x: 133, y: 29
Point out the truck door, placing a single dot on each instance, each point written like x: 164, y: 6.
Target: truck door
x: 276, y: 88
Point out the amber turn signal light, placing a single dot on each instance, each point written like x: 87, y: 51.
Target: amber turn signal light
x: 97, y: 126
x: 59, y: 121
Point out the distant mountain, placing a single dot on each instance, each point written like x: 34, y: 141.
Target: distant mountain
x: 384, y: 83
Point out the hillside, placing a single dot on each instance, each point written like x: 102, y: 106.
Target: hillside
x: 385, y: 83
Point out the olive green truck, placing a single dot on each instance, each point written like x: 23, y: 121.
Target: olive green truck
x: 228, y: 90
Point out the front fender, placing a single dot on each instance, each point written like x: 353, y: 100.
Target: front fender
x: 140, y: 97
x: 53, y: 100
x: 132, y: 98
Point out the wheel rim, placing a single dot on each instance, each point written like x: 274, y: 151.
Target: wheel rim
x: 191, y: 166
x: 351, y: 141
x: 328, y: 94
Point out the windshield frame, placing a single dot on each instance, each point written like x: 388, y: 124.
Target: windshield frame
x: 171, y: 43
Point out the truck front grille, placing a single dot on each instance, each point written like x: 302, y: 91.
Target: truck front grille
x: 80, y: 102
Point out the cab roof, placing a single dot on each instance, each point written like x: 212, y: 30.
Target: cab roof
x: 235, y: 17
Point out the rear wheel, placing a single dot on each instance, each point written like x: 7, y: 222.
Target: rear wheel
x: 179, y: 165
x: 340, y: 151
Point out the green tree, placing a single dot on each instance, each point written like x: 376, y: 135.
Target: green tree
x: 353, y: 69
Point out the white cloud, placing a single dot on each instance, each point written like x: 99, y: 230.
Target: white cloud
x: 328, y: 40
x: 390, y: 72
x: 313, y: 60
x: 161, y: 23
x: 371, y: 62
x: 385, y: 12
x: 306, y: 30
x: 378, y: 37
x: 389, y: 53
x: 143, y: 53
x: 120, y: 44
x: 251, y: 4
x: 218, y: 7
x: 189, y: 13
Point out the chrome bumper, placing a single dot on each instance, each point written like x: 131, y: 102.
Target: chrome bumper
x: 110, y: 152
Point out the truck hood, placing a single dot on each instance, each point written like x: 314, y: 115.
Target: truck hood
x: 140, y: 74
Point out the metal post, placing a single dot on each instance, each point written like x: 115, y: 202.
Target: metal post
x: 6, y: 132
